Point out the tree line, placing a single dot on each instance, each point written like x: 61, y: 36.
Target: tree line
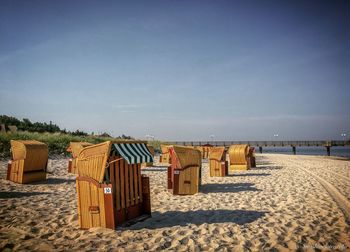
x: 26, y: 125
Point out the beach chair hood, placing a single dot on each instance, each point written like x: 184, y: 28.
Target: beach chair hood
x: 93, y: 160
x: 186, y: 156
x: 133, y: 153
x: 22, y: 148
x: 239, y: 153
x: 216, y: 153
x: 76, y: 147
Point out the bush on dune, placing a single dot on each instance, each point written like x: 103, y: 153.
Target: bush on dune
x: 57, y: 142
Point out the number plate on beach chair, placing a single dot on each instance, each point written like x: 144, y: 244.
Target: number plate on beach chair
x: 107, y: 190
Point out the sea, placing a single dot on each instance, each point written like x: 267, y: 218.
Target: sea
x: 337, y: 151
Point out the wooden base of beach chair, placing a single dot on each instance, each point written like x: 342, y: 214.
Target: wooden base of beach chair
x: 184, y: 181
x: 218, y: 169
x: 15, y: 173
x: 105, y: 205
x: 239, y: 167
x: 95, y: 204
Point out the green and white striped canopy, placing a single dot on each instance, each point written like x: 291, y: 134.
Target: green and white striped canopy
x: 133, y: 153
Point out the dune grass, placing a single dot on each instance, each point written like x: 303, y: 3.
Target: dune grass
x: 57, y: 142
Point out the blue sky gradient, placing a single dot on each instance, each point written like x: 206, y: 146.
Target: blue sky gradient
x: 179, y: 70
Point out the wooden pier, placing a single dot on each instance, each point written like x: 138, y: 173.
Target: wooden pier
x: 261, y: 144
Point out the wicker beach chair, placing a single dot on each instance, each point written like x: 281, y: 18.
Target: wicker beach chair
x: 184, y: 173
x: 239, y: 157
x: 206, y: 150
x: 110, y: 188
x: 217, y: 162
x: 165, y: 157
x: 74, y: 148
x: 252, y: 157
x: 29, y: 161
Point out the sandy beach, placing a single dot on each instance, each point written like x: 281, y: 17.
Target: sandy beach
x: 281, y: 205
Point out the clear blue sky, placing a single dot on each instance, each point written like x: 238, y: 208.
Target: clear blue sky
x: 179, y: 70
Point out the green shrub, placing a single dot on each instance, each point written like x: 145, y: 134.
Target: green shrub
x: 57, y: 142
x: 156, y: 145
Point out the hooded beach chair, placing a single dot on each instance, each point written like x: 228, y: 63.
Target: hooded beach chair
x: 239, y: 157
x: 75, y: 148
x: 110, y: 189
x: 184, y: 173
x: 151, y: 150
x: 252, y: 157
x: 206, y: 150
x: 29, y: 161
x: 200, y: 149
x: 217, y: 162
x: 165, y: 157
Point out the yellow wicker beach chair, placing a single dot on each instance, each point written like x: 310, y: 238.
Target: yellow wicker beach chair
x: 217, y: 162
x: 252, y: 157
x: 205, y: 150
x: 184, y: 173
x: 75, y: 148
x: 239, y: 157
x: 200, y: 149
x: 110, y: 188
x: 151, y: 150
x: 29, y: 161
x: 165, y: 157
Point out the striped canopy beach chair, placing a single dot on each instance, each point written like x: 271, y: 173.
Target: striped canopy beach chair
x: 110, y: 188
x: 29, y: 161
x: 217, y: 162
x: 184, y: 173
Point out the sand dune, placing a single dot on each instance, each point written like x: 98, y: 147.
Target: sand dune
x: 276, y: 205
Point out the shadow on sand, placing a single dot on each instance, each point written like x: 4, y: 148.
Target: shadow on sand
x: 264, y: 163
x: 228, y: 188
x: 54, y: 181
x: 266, y: 167
x: 249, y: 174
x: 177, y: 218
x: 9, y: 195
